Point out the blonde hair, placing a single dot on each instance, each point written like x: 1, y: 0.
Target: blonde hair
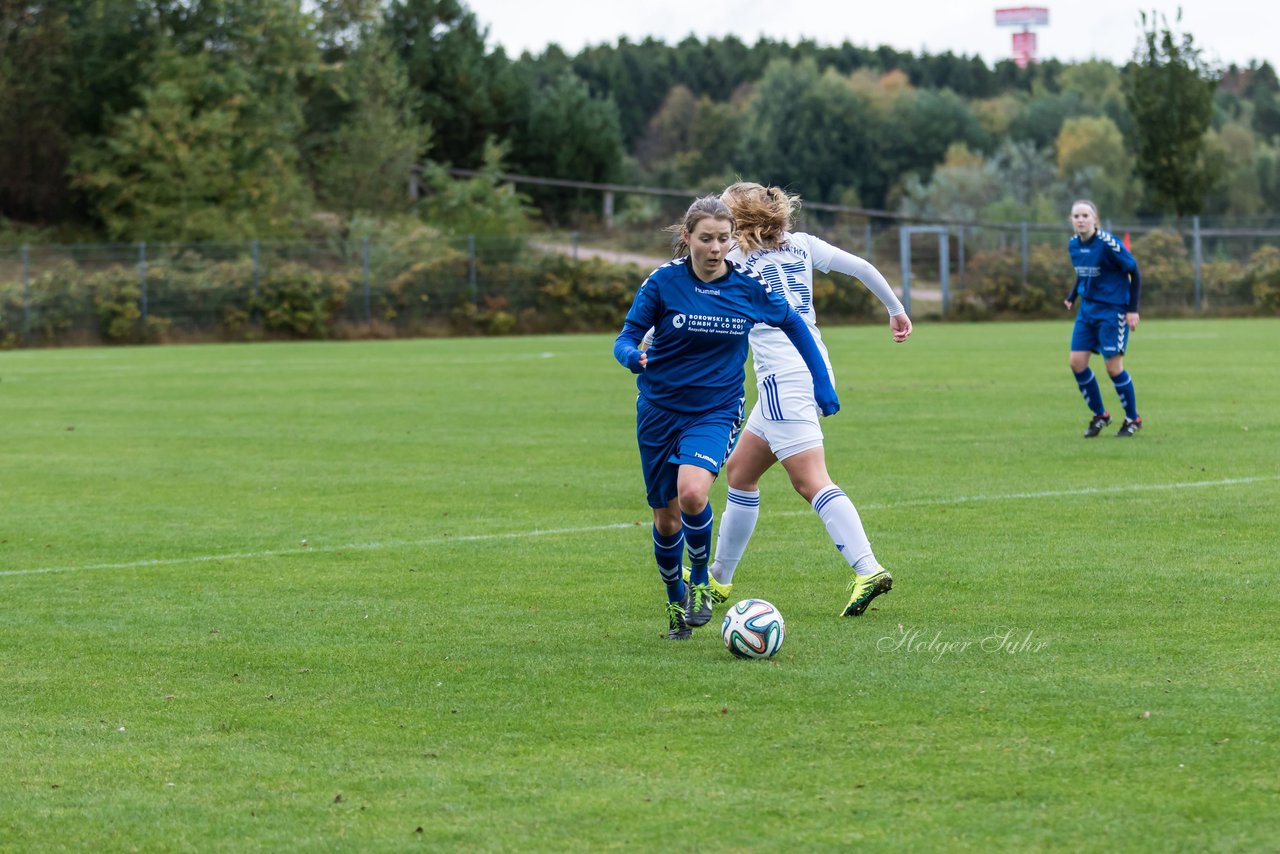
x: 707, y: 207
x: 1091, y: 205
x: 763, y: 214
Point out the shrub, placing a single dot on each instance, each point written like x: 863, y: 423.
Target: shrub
x: 995, y: 288
x: 117, y: 295
x: 58, y: 304
x: 840, y: 299
x: 1168, y: 273
x: 1263, y: 279
x: 300, y: 300
x: 586, y: 296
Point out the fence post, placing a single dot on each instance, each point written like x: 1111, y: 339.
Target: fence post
x: 26, y: 294
x: 1026, y: 255
x: 142, y: 280
x: 944, y: 250
x: 1199, y: 254
x: 471, y: 268
x: 870, y: 243
x: 573, y: 241
x: 255, y: 253
x: 364, y: 273
x: 904, y: 258
x: 608, y: 208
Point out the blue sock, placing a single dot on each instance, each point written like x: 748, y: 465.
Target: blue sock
x: 1089, y: 390
x: 1124, y: 390
x: 697, y: 537
x: 669, y: 552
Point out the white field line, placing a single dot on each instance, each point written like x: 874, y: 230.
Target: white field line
x: 510, y: 535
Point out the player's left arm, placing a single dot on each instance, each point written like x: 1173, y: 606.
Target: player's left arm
x: 1135, y: 293
x: 873, y: 280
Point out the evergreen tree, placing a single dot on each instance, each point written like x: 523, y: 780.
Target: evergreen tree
x: 365, y: 163
x: 1169, y: 88
x: 443, y: 49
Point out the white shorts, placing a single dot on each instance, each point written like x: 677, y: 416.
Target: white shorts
x: 785, y: 415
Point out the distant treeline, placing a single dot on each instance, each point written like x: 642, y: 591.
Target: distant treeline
x: 198, y: 120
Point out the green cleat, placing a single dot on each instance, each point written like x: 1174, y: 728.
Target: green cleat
x: 719, y: 592
x: 864, y: 588
x: 677, y: 618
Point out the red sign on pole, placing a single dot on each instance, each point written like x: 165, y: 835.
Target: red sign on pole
x: 1024, y: 49
x: 1022, y: 16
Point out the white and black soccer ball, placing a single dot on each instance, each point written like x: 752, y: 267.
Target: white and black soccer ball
x: 753, y: 628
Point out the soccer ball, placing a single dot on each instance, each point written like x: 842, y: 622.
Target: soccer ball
x: 753, y: 628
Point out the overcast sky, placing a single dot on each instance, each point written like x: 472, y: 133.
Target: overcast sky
x: 1227, y: 31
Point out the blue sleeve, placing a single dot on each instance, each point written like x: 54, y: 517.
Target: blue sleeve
x: 626, y: 347
x: 643, y: 314
x: 1135, y: 288
x: 823, y: 391
x: 1122, y: 257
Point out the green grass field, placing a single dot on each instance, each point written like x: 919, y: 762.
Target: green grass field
x: 395, y: 596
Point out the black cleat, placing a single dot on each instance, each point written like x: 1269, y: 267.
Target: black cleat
x: 1096, y: 425
x: 677, y: 619
x: 700, y: 601
x: 1129, y: 427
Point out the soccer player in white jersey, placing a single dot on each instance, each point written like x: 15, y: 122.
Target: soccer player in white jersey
x: 783, y: 426
x: 701, y: 308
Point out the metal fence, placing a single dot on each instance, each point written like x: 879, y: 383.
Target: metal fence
x: 52, y: 294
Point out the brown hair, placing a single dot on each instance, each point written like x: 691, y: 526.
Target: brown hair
x: 707, y: 207
x: 763, y: 214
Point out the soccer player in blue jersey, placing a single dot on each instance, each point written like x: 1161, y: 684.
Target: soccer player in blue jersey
x: 783, y: 426
x: 701, y: 307
x: 1108, y: 284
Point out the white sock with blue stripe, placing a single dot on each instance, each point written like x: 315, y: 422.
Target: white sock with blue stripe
x: 845, y: 527
x: 736, y: 526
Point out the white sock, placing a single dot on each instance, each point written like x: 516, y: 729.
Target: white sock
x: 845, y: 527
x: 736, y: 526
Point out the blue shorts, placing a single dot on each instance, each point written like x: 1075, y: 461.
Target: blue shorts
x: 669, y: 440
x: 1100, y: 329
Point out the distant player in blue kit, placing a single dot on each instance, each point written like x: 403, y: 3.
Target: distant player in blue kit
x: 1108, y: 284
x: 701, y: 308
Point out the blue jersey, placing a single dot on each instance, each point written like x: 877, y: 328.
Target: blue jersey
x: 696, y: 362
x: 1105, y: 271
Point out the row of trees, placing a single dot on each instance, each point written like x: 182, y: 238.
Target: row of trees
x: 223, y: 119
x: 191, y: 120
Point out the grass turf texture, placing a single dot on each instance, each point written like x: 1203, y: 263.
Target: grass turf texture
x: 387, y: 595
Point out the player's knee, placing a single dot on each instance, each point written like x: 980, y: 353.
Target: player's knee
x: 692, y: 500
x: 809, y: 486
x: 738, y: 477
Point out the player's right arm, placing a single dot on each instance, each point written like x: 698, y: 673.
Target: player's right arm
x: 640, y: 318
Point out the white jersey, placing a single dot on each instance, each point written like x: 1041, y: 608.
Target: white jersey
x: 789, y: 268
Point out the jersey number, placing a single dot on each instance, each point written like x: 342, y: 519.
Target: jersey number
x: 789, y: 278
